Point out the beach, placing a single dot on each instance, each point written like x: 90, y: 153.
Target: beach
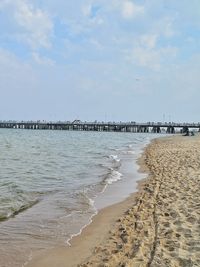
x: 53, y: 183
x: 158, y: 226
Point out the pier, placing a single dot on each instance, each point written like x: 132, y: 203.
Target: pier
x: 132, y: 127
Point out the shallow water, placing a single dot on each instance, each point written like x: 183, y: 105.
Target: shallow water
x: 53, y: 182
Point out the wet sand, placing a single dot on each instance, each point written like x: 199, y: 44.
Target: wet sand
x: 158, y: 226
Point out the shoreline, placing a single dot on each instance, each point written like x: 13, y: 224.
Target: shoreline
x: 66, y: 255
x: 162, y: 227
x: 90, y: 237
x: 156, y: 226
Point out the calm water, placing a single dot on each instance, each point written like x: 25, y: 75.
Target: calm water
x: 53, y: 182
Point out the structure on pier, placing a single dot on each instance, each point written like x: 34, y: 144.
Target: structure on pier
x: 133, y: 127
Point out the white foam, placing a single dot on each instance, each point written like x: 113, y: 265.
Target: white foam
x: 114, y: 158
x: 113, y: 177
x: 91, y: 202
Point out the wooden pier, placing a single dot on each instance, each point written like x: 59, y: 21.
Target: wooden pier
x: 133, y: 127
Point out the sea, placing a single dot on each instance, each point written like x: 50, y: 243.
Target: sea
x: 52, y: 183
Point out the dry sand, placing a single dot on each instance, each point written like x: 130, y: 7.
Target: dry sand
x: 161, y: 225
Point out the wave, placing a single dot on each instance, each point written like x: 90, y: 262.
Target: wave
x: 114, y: 158
x: 81, y: 229
x: 84, y: 200
x: 15, y: 211
x: 112, y: 177
x: 90, y: 203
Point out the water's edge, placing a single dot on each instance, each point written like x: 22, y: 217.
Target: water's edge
x: 62, y: 214
x: 114, y: 211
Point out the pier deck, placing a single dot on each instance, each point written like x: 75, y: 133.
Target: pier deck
x: 134, y: 127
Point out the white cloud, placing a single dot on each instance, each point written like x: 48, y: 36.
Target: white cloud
x: 165, y: 28
x: 15, y: 74
x: 42, y: 60
x: 36, y: 24
x: 146, y: 58
x: 151, y: 57
x: 9, y: 60
x: 90, y: 19
x: 131, y: 10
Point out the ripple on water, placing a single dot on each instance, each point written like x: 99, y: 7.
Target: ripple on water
x: 49, y: 183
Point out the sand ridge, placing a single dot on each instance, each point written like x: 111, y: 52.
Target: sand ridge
x: 162, y: 228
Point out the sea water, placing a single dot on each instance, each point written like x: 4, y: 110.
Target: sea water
x: 53, y: 182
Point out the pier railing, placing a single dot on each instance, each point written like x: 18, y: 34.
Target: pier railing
x: 135, y: 127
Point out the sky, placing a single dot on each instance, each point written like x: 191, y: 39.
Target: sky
x: 116, y: 60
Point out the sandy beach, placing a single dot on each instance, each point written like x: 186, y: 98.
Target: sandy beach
x: 158, y: 226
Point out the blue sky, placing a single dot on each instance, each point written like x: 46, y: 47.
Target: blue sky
x: 95, y: 60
